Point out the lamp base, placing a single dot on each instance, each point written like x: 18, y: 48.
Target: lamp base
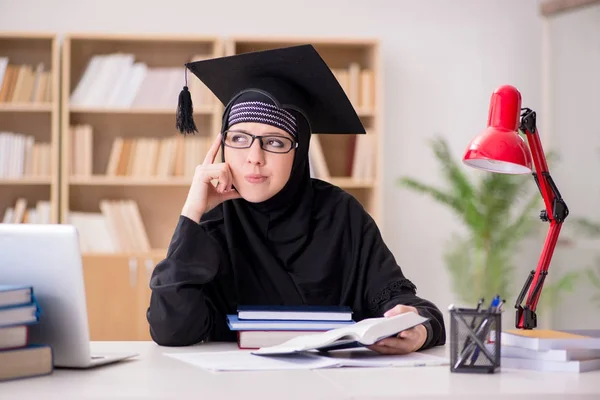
x: 526, y: 318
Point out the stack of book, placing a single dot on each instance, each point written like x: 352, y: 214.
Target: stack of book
x: 551, y: 350
x: 262, y: 326
x: 18, y: 357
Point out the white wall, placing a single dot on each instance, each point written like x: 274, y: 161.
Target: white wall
x: 573, y: 86
x: 442, y: 60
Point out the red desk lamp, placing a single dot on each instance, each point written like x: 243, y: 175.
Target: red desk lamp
x: 499, y: 148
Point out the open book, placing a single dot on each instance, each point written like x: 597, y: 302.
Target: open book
x: 363, y: 333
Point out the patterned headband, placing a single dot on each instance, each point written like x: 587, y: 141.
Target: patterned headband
x: 265, y: 113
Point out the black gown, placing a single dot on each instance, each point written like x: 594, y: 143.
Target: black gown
x: 196, y: 285
x: 310, y: 244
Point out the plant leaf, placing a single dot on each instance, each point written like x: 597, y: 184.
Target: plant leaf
x: 434, y: 192
x: 460, y: 185
x: 594, y: 277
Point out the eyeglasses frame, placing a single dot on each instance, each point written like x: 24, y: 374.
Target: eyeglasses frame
x: 260, y: 138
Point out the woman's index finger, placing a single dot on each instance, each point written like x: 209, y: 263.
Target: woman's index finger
x: 212, y: 152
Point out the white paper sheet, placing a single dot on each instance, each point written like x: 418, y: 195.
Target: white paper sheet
x: 244, y: 360
x: 367, y: 358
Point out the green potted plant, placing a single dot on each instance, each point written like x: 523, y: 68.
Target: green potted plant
x: 499, y: 211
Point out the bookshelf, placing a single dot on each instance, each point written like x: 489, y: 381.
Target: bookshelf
x: 116, y: 167
x: 124, y: 166
x: 352, y: 162
x: 29, y: 128
x: 125, y: 169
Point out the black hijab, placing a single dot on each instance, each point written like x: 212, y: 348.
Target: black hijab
x: 266, y: 239
x: 310, y: 244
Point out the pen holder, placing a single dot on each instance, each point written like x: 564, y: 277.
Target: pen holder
x: 475, y: 340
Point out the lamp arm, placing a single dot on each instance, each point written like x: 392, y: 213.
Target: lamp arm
x: 556, y: 211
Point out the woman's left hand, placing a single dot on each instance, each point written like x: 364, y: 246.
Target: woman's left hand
x: 406, y: 341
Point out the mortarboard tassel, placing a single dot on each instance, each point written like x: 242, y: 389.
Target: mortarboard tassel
x: 185, y: 118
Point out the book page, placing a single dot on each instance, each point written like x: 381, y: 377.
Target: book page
x: 307, y: 342
x: 365, y: 332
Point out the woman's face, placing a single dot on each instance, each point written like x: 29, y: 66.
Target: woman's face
x: 259, y: 174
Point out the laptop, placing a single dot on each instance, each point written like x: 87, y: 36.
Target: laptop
x: 48, y: 258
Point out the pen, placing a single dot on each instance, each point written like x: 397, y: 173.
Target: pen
x: 479, y: 303
x: 468, y: 339
x: 494, y: 307
x: 499, y: 308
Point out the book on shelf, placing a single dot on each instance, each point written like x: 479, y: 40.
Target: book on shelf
x: 117, y: 80
x: 361, y: 153
x: 316, y: 158
x: 82, y: 145
x: 550, y: 350
x: 358, y: 84
x: 359, y: 334
x: 157, y: 157
x: 24, y: 83
x: 258, y: 326
x: 18, y: 357
x: 20, y: 214
x: 138, y: 157
x: 118, y: 227
x: 21, y: 156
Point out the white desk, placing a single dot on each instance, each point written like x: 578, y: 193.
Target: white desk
x: 153, y: 375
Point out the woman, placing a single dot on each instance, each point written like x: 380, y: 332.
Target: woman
x: 267, y: 233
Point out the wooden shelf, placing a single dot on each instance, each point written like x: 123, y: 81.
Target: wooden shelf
x: 26, y: 181
x: 351, y: 183
x: 145, y: 217
x: 94, y: 119
x: 365, y: 113
x: 100, y: 180
x: 118, y: 255
x: 124, y: 274
x: 26, y: 107
x: 198, y: 110
x: 33, y: 120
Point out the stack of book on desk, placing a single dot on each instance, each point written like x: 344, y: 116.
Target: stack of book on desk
x: 262, y: 326
x: 551, y: 350
x: 18, y: 357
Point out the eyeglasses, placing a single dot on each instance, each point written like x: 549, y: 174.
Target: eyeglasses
x: 270, y: 143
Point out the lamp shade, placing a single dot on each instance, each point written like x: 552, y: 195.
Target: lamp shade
x: 499, y: 148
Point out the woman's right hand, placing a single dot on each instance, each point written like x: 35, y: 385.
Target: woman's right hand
x: 203, y: 196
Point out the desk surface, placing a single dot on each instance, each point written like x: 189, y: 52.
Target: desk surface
x: 152, y: 375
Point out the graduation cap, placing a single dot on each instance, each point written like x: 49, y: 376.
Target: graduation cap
x: 294, y: 77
